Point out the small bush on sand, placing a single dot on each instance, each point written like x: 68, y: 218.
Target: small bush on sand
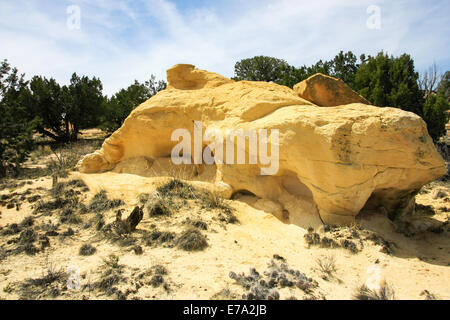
x: 68, y: 233
x: 112, y: 262
x: 98, y: 221
x: 112, y: 274
x: 212, y: 200
x: 27, y: 222
x: 159, y: 270
x: 192, y: 240
x: 177, y: 188
x: 100, y: 202
x: 87, y: 250
x: 143, y: 198
x: 138, y: 250
x: 364, y: 293
x: 159, y: 206
x: 157, y: 237
x: 327, y: 266
x: 278, y: 275
x: 52, y: 282
x: 197, y: 223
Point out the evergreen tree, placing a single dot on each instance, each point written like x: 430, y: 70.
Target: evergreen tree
x: 390, y: 81
x: 16, y: 126
x: 64, y: 111
x: 123, y: 102
x: 435, y: 115
x: 261, y: 68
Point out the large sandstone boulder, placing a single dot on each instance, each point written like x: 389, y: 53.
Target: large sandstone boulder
x: 332, y: 161
x: 326, y: 91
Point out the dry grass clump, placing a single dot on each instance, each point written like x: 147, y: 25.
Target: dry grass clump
x: 68, y: 233
x: 158, y: 279
x: 66, y: 156
x: 3, y: 253
x: 60, y: 188
x: 156, y: 237
x: 384, y: 293
x: 23, y: 238
x: 177, y: 188
x: 15, y: 228
x: 168, y: 198
x: 138, y: 250
x: 98, y: 221
x: 327, y: 266
x: 158, y: 206
x: 265, y: 286
x: 27, y: 222
x: 192, y: 240
x: 101, y: 203
x: 11, y: 229
x: 351, y: 238
x: 211, y: 200
x: 52, y: 283
x: 68, y: 215
x: 197, y: 223
x: 112, y: 275
x: 87, y: 250
x: 26, y: 242
x: 65, y: 201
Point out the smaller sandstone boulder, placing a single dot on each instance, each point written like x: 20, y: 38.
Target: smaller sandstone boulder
x: 326, y: 91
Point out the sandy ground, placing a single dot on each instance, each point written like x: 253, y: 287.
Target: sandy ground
x: 411, y: 256
x: 418, y: 262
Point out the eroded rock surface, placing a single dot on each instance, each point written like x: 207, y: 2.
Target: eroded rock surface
x: 332, y: 161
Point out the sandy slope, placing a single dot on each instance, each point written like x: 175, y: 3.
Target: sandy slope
x: 420, y: 262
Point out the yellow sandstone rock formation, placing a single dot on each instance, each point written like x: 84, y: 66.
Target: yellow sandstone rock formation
x: 333, y: 161
x: 326, y: 91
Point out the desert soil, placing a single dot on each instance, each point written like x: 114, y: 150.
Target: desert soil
x: 39, y: 256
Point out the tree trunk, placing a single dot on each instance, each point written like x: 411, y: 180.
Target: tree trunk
x: 74, y: 134
x: 51, y: 135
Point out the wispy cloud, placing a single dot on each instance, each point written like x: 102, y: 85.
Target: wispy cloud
x: 120, y: 41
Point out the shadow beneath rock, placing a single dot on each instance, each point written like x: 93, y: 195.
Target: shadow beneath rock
x: 303, y: 215
x: 421, y: 237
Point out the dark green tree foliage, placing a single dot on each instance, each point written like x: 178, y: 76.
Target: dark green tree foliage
x: 63, y: 111
x: 290, y: 76
x: 324, y: 67
x: 48, y: 105
x: 383, y: 80
x: 84, y: 99
x: 436, y: 107
x: 435, y: 115
x: 119, y: 106
x: 261, y: 68
x: 389, y: 81
x: 16, y: 127
x: 344, y: 66
x: 444, y: 85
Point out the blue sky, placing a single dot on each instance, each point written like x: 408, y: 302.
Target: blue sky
x: 120, y: 41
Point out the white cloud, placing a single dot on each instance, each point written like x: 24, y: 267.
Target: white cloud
x: 120, y: 41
